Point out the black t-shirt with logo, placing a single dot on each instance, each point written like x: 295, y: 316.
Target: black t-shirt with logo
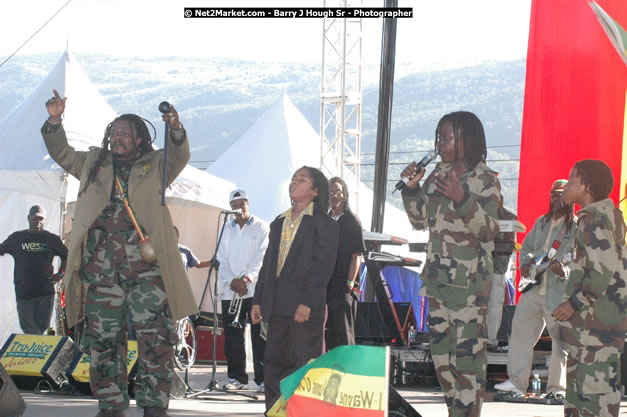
x: 33, y: 253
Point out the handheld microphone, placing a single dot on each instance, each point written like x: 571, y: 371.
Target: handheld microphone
x: 430, y: 156
x: 164, y: 107
x: 227, y: 212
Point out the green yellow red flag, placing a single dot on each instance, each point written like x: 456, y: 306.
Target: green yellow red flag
x: 347, y: 381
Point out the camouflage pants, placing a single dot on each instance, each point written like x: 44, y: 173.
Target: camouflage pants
x: 593, y: 386
x: 457, y: 335
x: 122, y: 288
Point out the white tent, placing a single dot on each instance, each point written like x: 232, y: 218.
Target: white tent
x: 263, y: 160
x: 28, y: 174
x: 30, y: 177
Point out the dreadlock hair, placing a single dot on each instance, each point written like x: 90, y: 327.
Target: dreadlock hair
x: 138, y: 129
x: 569, y: 220
x: 596, y: 176
x: 469, y: 126
x: 321, y: 184
x: 340, y: 181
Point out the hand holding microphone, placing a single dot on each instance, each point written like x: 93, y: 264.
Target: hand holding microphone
x: 170, y: 115
x: 414, y: 172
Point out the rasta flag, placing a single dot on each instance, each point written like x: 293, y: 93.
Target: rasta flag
x: 347, y: 381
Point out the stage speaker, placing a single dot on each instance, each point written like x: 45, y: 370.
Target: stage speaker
x: 370, y: 325
x: 397, y: 406
x: 11, y: 402
x: 31, y: 358
x: 179, y: 387
x: 78, y: 369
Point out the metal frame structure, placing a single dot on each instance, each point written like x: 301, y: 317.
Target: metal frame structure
x: 340, y: 97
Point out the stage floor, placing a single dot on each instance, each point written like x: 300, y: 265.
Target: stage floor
x: 427, y: 401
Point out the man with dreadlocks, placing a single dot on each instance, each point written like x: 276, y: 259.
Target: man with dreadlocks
x: 458, y: 202
x: 109, y: 283
x: 341, y: 297
x: 550, y: 239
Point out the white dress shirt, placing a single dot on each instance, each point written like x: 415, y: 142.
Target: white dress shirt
x: 241, y: 253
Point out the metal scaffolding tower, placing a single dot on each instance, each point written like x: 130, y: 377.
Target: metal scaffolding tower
x: 340, y: 97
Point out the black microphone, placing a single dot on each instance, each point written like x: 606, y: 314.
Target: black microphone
x: 430, y: 156
x: 164, y: 107
x: 236, y: 211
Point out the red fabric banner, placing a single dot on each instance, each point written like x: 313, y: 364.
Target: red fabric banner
x: 574, y: 99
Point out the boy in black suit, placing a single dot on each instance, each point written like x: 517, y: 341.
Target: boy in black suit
x: 291, y: 288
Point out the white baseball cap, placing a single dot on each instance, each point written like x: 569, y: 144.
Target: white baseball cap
x: 238, y: 195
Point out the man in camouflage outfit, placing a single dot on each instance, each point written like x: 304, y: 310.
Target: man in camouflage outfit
x: 458, y: 203
x: 104, y: 257
x: 593, y: 317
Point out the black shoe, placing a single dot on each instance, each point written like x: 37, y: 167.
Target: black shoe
x: 108, y: 412
x: 555, y: 398
x: 155, y: 412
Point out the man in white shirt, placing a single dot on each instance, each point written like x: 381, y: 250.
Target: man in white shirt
x: 240, y: 255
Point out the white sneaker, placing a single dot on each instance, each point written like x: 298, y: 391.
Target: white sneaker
x: 507, y: 386
x: 261, y: 388
x: 234, y: 385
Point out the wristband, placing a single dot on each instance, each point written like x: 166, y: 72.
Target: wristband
x: 356, y: 291
x: 61, y: 273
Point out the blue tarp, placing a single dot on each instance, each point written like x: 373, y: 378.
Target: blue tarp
x: 404, y: 286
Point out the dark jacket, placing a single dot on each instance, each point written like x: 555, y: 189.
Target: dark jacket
x: 306, y: 272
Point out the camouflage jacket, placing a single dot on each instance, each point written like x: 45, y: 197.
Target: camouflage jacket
x: 597, y: 287
x: 461, y: 236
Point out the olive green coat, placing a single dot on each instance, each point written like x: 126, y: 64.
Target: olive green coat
x: 144, y: 193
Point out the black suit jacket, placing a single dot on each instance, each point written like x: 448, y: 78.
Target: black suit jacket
x: 306, y: 272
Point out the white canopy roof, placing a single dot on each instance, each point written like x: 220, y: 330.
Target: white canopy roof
x: 29, y: 176
x: 25, y: 163
x: 263, y: 160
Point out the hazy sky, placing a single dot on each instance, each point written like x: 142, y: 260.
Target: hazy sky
x: 441, y: 33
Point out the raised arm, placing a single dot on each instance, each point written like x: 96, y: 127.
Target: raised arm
x: 178, y: 145
x: 56, y: 141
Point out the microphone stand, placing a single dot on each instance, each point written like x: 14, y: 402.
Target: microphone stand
x: 215, y: 264
x: 164, y: 107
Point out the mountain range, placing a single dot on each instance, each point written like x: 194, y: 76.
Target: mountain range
x: 219, y: 99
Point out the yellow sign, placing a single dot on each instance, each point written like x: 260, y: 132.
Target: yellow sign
x: 80, y: 373
x: 25, y: 354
